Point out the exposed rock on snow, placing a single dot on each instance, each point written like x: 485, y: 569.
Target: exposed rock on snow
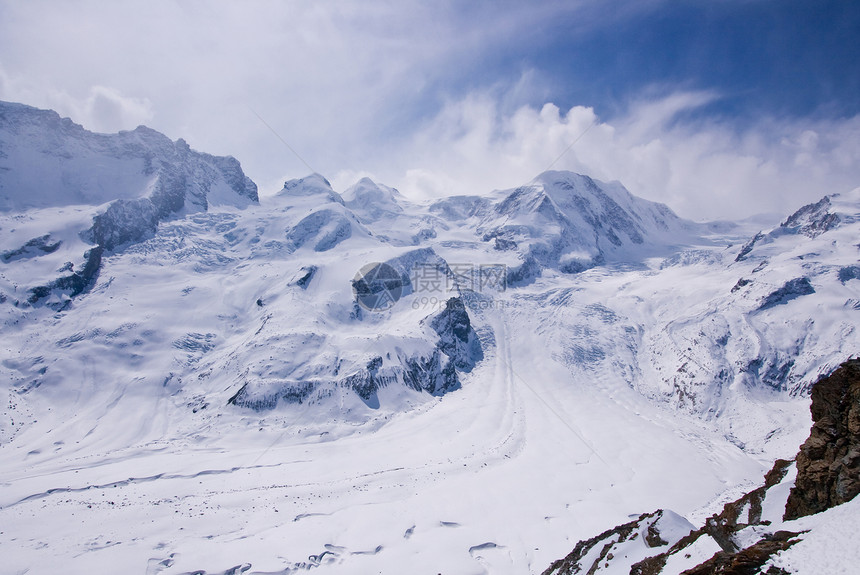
x: 828, y: 464
x: 216, y: 360
x: 748, y: 535
x: 128, y: 181
x: 33, y: 248
x: 624, y: 543
x: 792, y: 289
x: 457, y: 339
x: 571, y: 222
x: 812, y: 220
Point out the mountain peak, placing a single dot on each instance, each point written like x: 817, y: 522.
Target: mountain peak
x: 309, y: 186
x: 372, y: 201
x: 572, y: 222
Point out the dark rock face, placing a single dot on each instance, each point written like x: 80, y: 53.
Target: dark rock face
x: 849, y: 273
x: 748, y: 561
x: 828, y: 465
x: 304, y: 277
x: 75, y: 283
x: 179, y: 181
x: 741, y: 284
x: 457, y: 339
x: 722, y: 528
x: 812, y: 220
x: 125, y: 221
x: 33, y: 248
x: 435, y: 371
x: 295, y: 392
x: 748, y: 247
x: 573, y: 563
x: 828, y: 474
x: 792, y: 289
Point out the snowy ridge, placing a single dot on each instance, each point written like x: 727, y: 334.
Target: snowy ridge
x: 570, y: 222
x: 83, y: 193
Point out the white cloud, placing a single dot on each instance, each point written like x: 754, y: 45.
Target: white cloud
x: 102, y: 109
x: 702, y: 169
x: 396, y: 90
x: 105, y: 109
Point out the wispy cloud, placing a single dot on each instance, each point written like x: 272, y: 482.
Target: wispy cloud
x: 435, y: 98
x: 705, y: 169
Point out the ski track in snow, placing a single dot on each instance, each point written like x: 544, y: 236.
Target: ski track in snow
x: 479, y: 458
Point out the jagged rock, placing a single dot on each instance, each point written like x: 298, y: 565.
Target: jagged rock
x: 828, y: 465
x: 741, y: 283
x: 33, y: 248
x: 828, y: 474
x: 649, y: 530
x: 792, y: 289
x: 812, y: 219
x: 849, y: 273
x: 133, y: 180
x: 457, y: 339
x: 434, y: 369
x: 75, y: 283
x: 748, y: 561
x: 125, y: 221
x: 304, y: 277
x: 748, y: 247
x: 288, y: 392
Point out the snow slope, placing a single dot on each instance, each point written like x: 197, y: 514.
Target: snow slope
x: 67, y: 195
x: 217, y: 397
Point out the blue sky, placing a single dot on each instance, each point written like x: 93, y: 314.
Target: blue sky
x: 784, y: 57
x: 720, y: 109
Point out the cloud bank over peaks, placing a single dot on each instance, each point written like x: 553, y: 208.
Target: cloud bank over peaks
x: 102, y: 109
x: 704, y: 169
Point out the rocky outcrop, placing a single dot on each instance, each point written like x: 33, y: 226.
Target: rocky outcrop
x: 650, y: 530
x: 748, y: 561
x: 130, y: 181
x: 748, y: 247
x: 457, y: 339
x: 75, y: 283
x: 33, y: 248
x: 828, y: 465
x: 812, y: 220
x: 742, y: 539
x: 792, y: 289
x: 433, y: 368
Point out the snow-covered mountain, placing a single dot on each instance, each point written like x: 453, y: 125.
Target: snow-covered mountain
x: 570, y: 222
x: 67, y: 195
x: 357, y: 383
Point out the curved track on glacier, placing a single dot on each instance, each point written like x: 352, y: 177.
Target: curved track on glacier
x: 498, y: 476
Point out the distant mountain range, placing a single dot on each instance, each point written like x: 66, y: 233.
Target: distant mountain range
x: 149, y: 296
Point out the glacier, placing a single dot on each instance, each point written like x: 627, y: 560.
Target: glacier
x: 190, y: 384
